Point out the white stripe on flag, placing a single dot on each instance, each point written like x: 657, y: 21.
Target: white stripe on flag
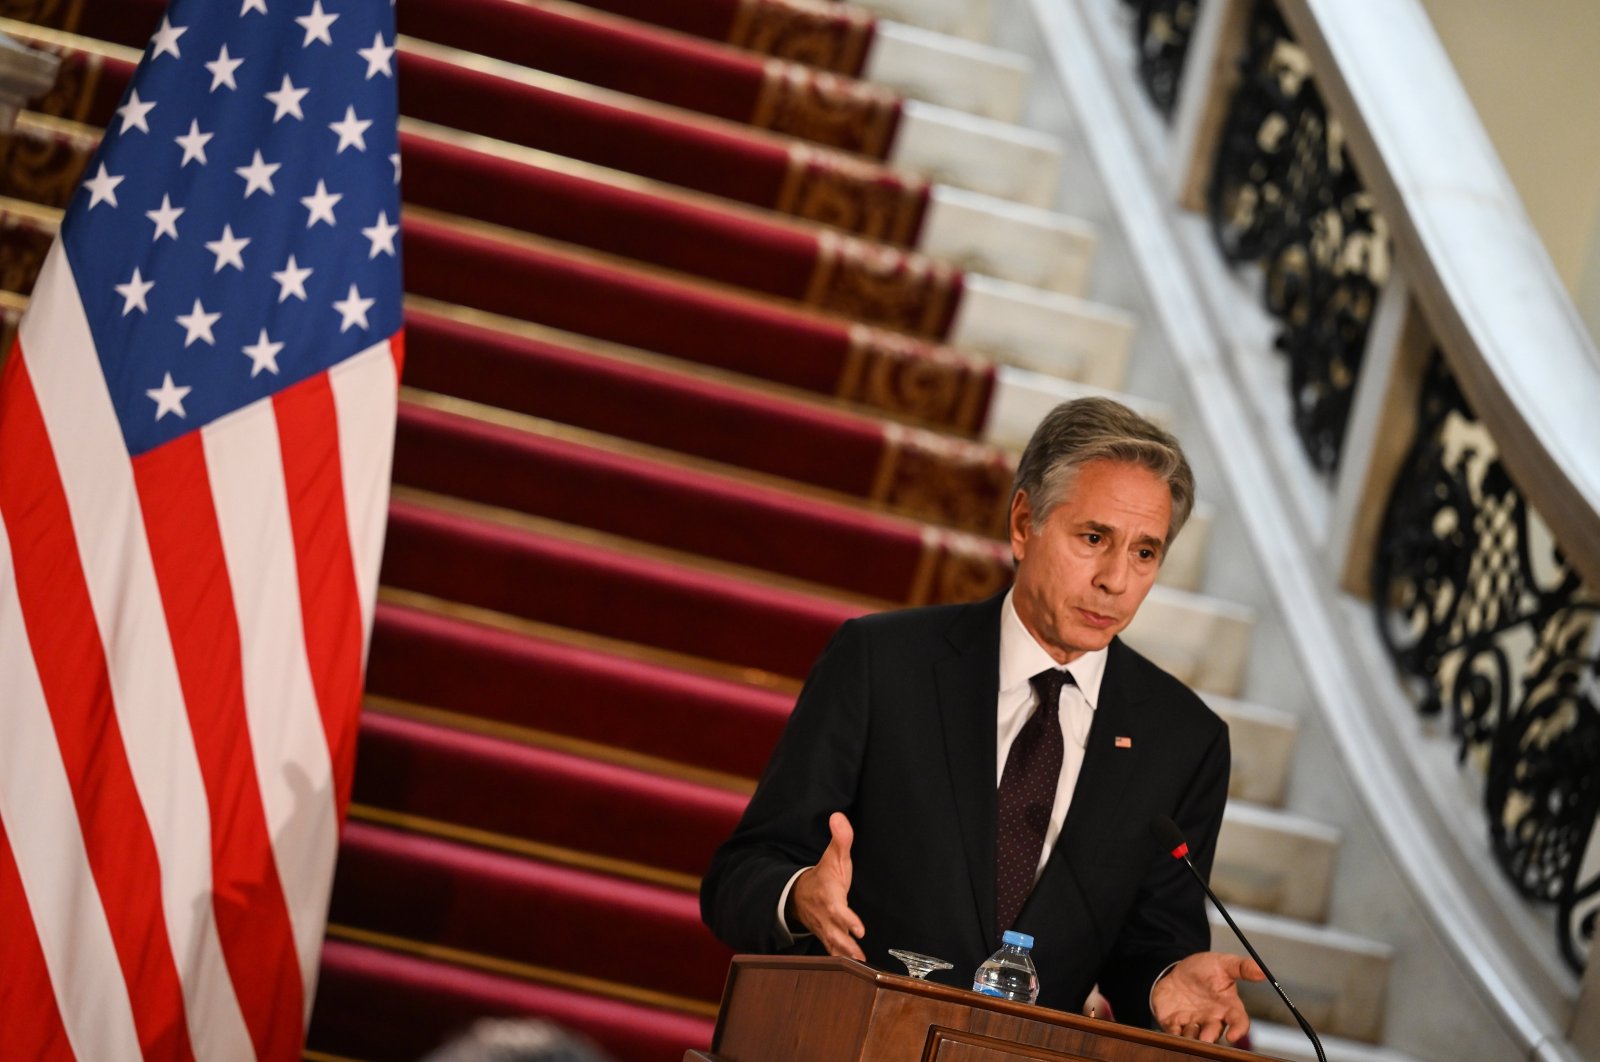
x: 99, y: 486
x: 286, y: 738
x: 41, y: 820
x: 366, y: 392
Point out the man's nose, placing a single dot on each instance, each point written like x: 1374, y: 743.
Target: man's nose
x: 1112, y: 574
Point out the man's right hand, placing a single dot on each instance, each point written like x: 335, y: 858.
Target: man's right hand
x: 820, y: 897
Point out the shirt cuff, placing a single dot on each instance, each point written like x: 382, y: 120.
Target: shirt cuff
x: 1157, y: 981
x: 787, y: 936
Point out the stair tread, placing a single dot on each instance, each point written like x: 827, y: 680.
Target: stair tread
x: 421, y: 526
x: 1259, y: 816
x: 1202, y: 639
x: 494, y: 565
x: 954, y: 71
x: 483, y: 672
x: 501, y: 791
x: 1073, y: 337
x: 1338, y: 979
x: 1297, y: 931
x: 1274, y: 861
x: 954, y: 147
x: 594, y: 295
x: 706, y: 413
x: 510, y: 102
x: 1254, y: 712
x: 526, y: 911
x: 363, y: 988
x: 698, y: 512
x: 967, y: 19
x: 649, y: 62
x: 1289, y: 1042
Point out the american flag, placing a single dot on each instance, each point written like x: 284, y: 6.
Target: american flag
x: 195, y: 434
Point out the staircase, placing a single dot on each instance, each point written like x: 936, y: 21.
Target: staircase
x: 707, y: 351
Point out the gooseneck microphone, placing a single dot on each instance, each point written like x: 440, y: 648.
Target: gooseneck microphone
x: 1167, y: 834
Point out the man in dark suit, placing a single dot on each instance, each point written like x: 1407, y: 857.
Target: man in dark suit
x: 953, y: 772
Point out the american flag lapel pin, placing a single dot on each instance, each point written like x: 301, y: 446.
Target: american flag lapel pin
x: 1123, y: 742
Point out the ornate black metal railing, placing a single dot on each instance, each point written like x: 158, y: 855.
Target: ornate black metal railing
x: 1477, y: 603
x: 1162, y: 29
x: 1284, y: 193
x: 1474, y: 599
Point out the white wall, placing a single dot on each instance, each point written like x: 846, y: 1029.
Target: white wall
x: 1532, y: 69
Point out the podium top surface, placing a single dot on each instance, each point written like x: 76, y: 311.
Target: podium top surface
x: 804, y: 1008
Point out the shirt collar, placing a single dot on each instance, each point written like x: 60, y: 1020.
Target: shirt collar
x: 1021, y: 658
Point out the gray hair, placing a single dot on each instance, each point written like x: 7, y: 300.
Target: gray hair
x: 1099, y: 429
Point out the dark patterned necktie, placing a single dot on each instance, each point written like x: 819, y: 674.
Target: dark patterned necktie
x: 1026, y: 795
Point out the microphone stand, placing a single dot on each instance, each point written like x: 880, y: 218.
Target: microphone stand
x: 1167, y: 832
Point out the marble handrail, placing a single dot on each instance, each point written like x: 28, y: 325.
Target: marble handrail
x: 1484, y: 281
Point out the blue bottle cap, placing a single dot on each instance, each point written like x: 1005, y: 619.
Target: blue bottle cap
x: 1021, y: 940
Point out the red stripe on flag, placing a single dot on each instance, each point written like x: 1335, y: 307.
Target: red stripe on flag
x: 329, y: 599
x: 28, y: 1011
x: 72, y: 671
x: 397, y: 350
x: 197, y: 600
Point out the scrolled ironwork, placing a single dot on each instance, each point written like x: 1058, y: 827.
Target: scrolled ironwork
x: 1283, y: 192
x: 1476, y: 602
x: 1162, y: 31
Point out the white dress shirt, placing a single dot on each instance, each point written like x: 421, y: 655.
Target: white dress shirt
x: 1021, y: 657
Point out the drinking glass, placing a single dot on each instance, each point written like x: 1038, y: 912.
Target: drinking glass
x: 920, y: 966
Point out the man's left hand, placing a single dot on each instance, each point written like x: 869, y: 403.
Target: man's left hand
x: 1198, y: 999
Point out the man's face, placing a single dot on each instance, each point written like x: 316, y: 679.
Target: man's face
x: 1083, y: 573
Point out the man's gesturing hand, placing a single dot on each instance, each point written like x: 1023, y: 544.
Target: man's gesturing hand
x: 820, y: 897
x: 1198, y: 999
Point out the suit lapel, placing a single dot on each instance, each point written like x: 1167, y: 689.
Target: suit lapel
x: 1111, y: 759
x: 967, y: 681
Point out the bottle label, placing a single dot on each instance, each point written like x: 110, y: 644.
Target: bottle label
x: 989, y: 990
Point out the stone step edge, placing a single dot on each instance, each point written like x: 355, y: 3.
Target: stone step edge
x: 1264, y: 740
x: 1288, y: 1043
x: 952, y: 71
x: 1275, y: 861
x: 967, y: 19
x: 1208, y: 656
x: 1338, y: 979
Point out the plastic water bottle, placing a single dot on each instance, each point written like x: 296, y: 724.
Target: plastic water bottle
x: 1009, y: 972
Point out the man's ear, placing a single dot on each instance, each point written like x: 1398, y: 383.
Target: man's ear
x: 1020, y: 523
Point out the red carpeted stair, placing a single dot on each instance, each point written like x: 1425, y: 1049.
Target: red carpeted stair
x: 654, y: 499
x: 830, y: 36
x: 500, y: 673
x: 523, y: 106
x: 376, y: 1003
x: 560, y: 286
x: 604, y: 210
x: 507, y: 789
x: 578, y: 42
x: 605, y: 389
x: 605, y: 591
x: 526, y: 911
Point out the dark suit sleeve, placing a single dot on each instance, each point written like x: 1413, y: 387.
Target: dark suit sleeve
x: 1168, y: 920
x: 813, y: 772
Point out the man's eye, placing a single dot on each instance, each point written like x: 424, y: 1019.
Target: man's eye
x: 1093, y: 538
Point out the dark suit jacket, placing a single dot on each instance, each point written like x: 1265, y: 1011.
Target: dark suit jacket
x: 896, y: 728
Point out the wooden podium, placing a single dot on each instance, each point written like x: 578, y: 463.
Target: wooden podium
x: 816, y: 1009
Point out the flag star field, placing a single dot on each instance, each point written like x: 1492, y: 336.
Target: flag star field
x: 239, y: 234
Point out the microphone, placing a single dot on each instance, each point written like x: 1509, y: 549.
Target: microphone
x: 1167, y: 834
